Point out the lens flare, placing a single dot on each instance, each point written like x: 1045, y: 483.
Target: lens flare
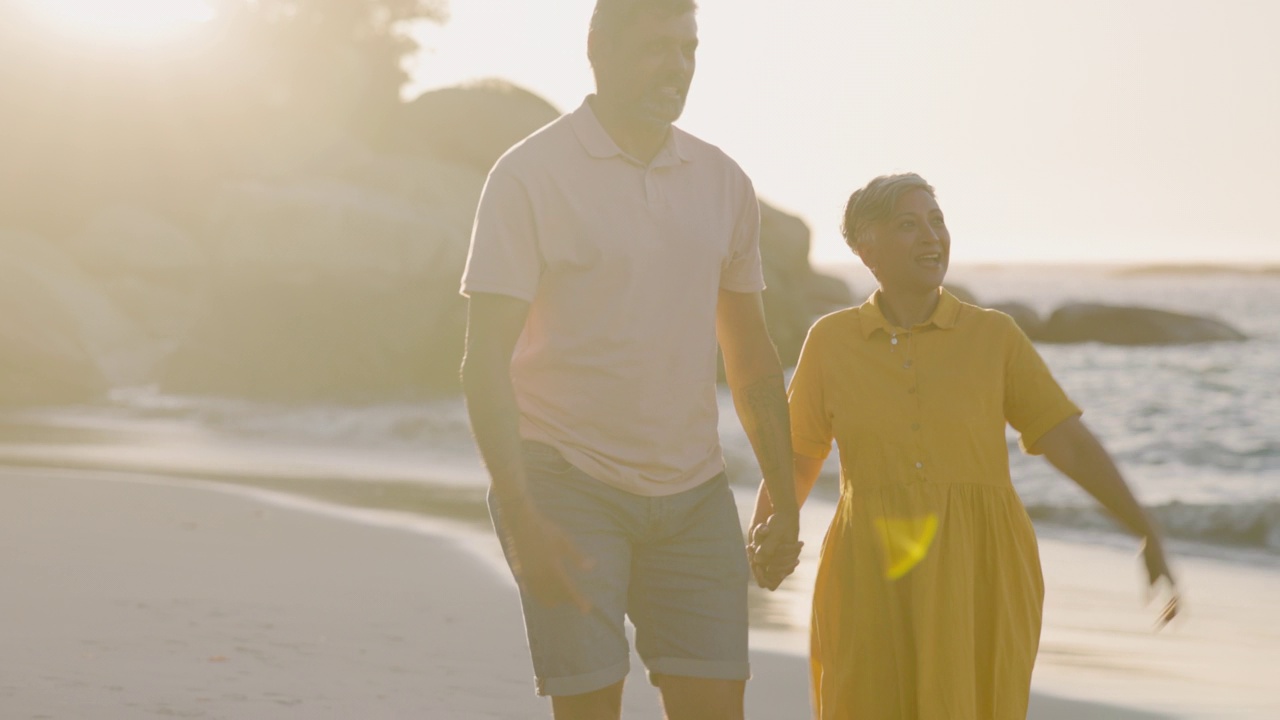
x: 123, y: 20
x: 905, y: 542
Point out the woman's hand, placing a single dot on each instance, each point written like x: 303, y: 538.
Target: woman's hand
x: 1157, y: 569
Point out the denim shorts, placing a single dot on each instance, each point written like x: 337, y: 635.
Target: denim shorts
x: 675, y: 565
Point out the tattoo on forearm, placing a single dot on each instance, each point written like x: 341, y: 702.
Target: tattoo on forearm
x: 762, y: 408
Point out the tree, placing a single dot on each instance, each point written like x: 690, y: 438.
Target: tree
x: 266, y: 87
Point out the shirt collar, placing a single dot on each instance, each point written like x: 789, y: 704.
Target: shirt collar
x: 598, y: 144
x: 871, y: 317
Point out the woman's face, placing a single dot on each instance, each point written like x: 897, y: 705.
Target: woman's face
x: 910, y: 250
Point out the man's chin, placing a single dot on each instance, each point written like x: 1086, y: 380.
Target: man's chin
x: 663, y: 113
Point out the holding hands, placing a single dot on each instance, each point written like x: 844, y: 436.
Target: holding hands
x: 773, y: 547
x: 774, y: 550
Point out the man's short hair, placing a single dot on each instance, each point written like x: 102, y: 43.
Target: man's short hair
x: 874, y: 203
x: 611, y: 15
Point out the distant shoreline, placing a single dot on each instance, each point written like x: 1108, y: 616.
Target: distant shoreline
x: 1198, y: 269
x: 1119, y: 268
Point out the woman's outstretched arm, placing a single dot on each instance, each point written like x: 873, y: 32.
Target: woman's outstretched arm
x: 1078, y: 454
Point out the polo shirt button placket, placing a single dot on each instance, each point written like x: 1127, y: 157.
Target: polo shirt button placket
x: 650, y: 187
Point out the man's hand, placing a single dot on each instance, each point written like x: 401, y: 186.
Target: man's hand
x: 543, y: 558
x: 774, y: 550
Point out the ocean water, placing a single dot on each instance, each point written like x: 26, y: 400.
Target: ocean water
x: 1196, y: 428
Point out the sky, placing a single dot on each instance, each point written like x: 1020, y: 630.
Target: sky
x: 1082, y: 131
x: 1054, y: 131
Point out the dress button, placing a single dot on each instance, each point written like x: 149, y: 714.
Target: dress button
x: 919, y: 466
x: 893, y: 340
x: 906, y: 365
x: 911, y: 390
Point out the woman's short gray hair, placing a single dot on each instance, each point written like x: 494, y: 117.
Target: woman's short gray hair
x: 874, y: 203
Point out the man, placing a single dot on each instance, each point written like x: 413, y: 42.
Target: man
x: 610, y: 252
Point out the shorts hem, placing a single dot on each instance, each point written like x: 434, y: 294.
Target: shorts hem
x: 705, y: 669
x: 585, y: 683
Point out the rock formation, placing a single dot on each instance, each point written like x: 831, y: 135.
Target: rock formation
x: 323, y: 289
x: 345, y: 286
x: 338, y: 280
x: 1120, y: 325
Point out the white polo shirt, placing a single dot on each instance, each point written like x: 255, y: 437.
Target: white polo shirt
x: 621, y: 263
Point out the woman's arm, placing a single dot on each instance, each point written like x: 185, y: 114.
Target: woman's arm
x: 1078, y: 454
x: 805, y: 469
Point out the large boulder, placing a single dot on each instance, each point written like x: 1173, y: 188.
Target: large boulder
x: 323, y: 289
x: 343, y: 284
x: 794, y: 295
x: 474, y: 124
x: 1024, y: 315
x: 449, y: 189
x: 828, y: 293
x: 1122, y: 325
x: 963, y: 294
x: 470, y: 124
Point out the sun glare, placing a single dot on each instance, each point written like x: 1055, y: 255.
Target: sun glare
x: 124, y: 20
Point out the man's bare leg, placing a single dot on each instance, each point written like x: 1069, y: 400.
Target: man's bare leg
x: 688, y: 698
x: 602, y: 704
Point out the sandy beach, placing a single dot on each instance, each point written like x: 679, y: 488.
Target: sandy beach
x: 131, y: 597
x: 138, y: 596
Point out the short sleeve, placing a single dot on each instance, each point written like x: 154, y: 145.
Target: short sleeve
x: 743, y: 270
x: 1034, y: 403
x: 806, y: 397
x: 504, y: 256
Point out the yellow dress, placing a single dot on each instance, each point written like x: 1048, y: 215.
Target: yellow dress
x: 929, y: 593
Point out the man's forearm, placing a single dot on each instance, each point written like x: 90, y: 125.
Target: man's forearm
x: 495, y: 423
x: 494, y: 323
x: 762, y: 409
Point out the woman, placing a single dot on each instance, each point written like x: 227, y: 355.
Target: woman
x: 929, y: 593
